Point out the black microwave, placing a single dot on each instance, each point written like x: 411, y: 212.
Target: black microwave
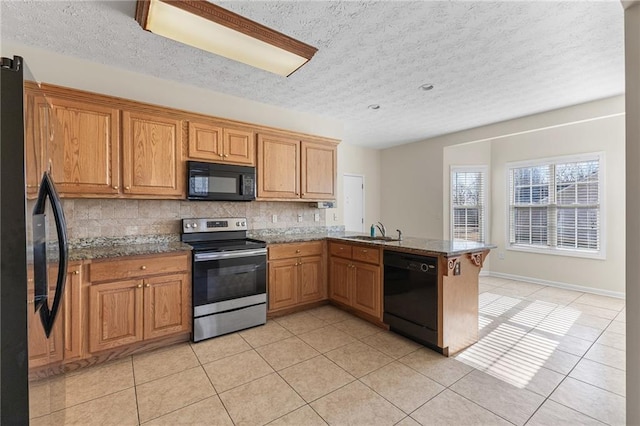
x: 220, y: 182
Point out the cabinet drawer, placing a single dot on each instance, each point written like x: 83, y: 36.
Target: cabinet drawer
x: 339, y: 249
x: 366, y: 254
x: 284, y: 251
x: 130, y: 267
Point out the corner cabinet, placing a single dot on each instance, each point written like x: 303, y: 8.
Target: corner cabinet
x: 296, y: 275
x: 152, y: 155
x: 291, y: 169
x: 355, y: 278
x: 138, y: 298
x: 218, y: 144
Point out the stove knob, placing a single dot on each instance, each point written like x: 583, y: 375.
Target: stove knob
x: 237, y: 223
x: 187, y: 225
x: 244, y: 223
x: 194, y: 225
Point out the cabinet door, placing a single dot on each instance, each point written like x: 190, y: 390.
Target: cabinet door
x: 80, y: 145
x: 318, y: 171
x: 43, y: 351
x: 311, y: 285
x: 73, y: 314
x: 366, y: 289
x: 339, y: 282
x: 115, y: 314
x: 205, y: 142
x: 282, y: 283
x: 238, y: 147
x: 166, y: 305
x: 278, y: 167
x: 152, y: 155
x: 33, y: 145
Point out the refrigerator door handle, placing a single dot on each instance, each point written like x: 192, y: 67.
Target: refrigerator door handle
x: 48, y: 314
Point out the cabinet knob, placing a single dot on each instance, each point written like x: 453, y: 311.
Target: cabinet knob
x: 364, y: 250
x: 115, y: 187
x: 126, y: 188
x: 341, y: 248
x: 143, y: 268
x: 31, y: 302
x: 226, y: 155
x: 139, y: 286
x: 220, y: 155
x: 147, y: 285
x: 76, y: 272
x: 298, y: 251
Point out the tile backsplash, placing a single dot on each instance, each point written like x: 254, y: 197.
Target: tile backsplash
x: 88, y: 218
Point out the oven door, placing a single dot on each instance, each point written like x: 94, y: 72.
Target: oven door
x: 219, y: 277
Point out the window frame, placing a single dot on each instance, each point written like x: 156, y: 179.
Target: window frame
x: 484, y: 213
x: 600, y: 254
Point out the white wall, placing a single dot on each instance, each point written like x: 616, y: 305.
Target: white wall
x: 360, y: 161
x: 632, y: 60
x: 606, y: 135
x: 50, y: 67
x: 415, y: 185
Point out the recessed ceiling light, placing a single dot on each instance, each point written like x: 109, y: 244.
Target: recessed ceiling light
x: 374, y: 106
x: 426, y: 87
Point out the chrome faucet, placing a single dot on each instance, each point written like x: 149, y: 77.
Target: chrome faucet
x: 399, y: 235
x: 382, y: 229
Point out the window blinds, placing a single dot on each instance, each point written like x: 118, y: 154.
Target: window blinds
x: 468, y: 204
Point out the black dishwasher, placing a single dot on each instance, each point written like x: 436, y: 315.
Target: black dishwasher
x: 411, y: 296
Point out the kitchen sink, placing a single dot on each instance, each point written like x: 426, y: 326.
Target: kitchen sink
x: 368, y: 238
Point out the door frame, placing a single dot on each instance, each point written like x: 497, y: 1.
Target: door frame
x: 363, y: 195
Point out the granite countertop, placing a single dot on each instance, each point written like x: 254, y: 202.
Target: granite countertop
x: 408, y: 244
x: 423, y: 245
x: 118, y: 250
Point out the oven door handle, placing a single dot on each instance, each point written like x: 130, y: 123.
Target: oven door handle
x: 202, y: 257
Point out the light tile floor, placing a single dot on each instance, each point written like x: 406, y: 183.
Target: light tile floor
x: 546, y: 356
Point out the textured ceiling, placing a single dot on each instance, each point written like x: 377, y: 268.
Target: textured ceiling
x: 488, y: 61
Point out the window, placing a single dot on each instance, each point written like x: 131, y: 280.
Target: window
x: 468, y: 203
x: 555, y: 205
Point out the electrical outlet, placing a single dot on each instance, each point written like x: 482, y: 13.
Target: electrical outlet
x: 316, y: 217
x: 335, y: 217
x: 456, y: 269
x: 501, y: 255
x: 274, y: 218
x: 299, y: 218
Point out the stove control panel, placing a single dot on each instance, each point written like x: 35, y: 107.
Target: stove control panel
x: 214, y: 224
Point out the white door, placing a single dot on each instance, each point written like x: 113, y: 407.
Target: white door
x: 354, y: 203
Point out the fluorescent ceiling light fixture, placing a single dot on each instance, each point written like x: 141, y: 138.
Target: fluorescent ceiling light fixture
x: 209, y: 27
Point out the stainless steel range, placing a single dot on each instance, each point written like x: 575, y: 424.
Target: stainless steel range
x: 229, y: 276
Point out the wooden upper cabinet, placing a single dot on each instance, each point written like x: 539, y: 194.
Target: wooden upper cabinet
x: 78, y: 141
x: 212, y: 142
x: 318, y: 171
x: 278, y: 167
x: 239, y: 147
x: 33, y: 145
x: 205, y: 142
x: 152, y: 155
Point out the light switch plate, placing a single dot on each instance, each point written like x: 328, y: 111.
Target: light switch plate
x: 274, y: 218
x: 316, y: 217
x: 299, y: 218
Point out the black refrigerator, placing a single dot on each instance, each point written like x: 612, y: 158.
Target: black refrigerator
x: 33, y: 255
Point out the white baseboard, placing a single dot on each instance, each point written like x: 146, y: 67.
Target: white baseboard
x: 617, y: 294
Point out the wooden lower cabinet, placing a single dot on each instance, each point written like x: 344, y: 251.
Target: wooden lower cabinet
x: 115, y: 316
x: 144, y: 307
x: 65, y: 342
x: 356, y: 283
x: 166, y: 305
x: 296, y: 275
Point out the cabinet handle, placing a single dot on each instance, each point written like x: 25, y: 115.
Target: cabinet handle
x: 139, y: 286
x: 115, y: 187
x: 144, y: 268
